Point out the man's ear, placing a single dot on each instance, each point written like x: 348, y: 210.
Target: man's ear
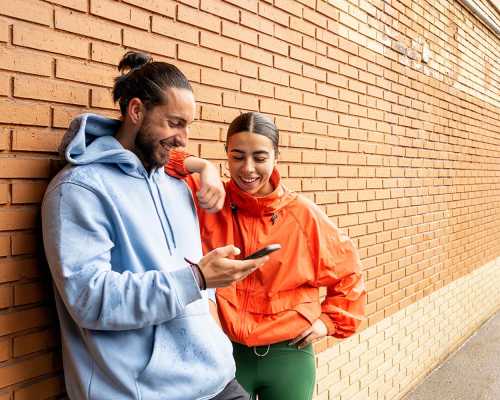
x: 135, y: 110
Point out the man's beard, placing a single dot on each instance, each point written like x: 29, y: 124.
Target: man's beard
x: 145, y: 149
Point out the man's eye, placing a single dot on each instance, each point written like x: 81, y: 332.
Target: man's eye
x: 261, y: 159
x: 175, y: 124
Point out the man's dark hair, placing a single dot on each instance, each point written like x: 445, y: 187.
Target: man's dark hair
x: 255, y: 122
x: 145, y: 79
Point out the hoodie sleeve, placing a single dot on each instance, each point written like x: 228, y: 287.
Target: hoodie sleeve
x: 338, y: 267
x: 78, y: 238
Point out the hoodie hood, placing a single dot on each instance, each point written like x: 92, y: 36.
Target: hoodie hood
x: 265, y: 205
x: 90, y: 139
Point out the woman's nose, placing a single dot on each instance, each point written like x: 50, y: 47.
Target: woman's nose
x: 249, y: 166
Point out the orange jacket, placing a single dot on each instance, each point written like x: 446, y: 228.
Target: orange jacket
x: 281, y: 299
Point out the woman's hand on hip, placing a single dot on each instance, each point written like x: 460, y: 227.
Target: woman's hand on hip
x: 316, y: 331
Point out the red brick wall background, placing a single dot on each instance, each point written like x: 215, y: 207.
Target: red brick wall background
x: 402, y: 154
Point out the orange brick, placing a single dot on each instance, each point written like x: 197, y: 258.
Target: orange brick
x: 239, y: 33
x: 326, y: 9
x: 239, y: 66
x: 102, y: 98
x: 250, y: 5
x: 272, y: 44
x: 198, y: 18
x: 325, y: 171
x: 269, y: 12
x: 273, y: 106
x: 86, y: 72
x: 302, y: 83
x: 213, y: 151
x: 302, y: 55
x: 24, y: 168
x: 258, y: 55
x: 200, y: 130
x: 288, y: 65
x: 6, y: 300
x: 241, y: 101
x: 32, y: 139
x: 30, y: 293
x: 146, y: 41
x: 174, y: 29
x: 302, y: 140
x: 107, y: 53
x: 222, y: 10
x: 198, y: 55
x: 315, y: 127
x: 257, y: 87
x: 315, y: 18
x: 337, y: 54
x: 306, y: 171
x: 80, y: 5
x: 5, y: 139
x: 256, y: 22
x: 64, y: 115
x: 221, y: 79
x: 288, y: 94
x: 288, y: 124
x: 315, y: 100
x: 14, y: 59
x: 289, y: 6
x: 163, y: 7
x: 24, y: 113
x: 300, y: 25
x: 216, y: 42
x: 27, y: 369
x: 218, y: 114
x: 4, y: 84
x: 328, y: 116
x: 45, y: 389
x: 273, y: 75
x: 28, y: 192
x: 288, y: 35
x: 28, y: 10
x: 86, y: 25
x: 121, y: 13
x: 327, y: 90
x: 337, y: 80
x: 12, y: 218
x: 4, y: 31
x: 49, y: 40
x: 207, y: 94
x: 314, y: 45
x: 23, y: 243
x: 304, y: 112
x: 42, y: 89
x: 4, y: 245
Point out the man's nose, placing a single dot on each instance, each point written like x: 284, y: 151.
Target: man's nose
x: 182, y: 138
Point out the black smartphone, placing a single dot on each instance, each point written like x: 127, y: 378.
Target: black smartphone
x: 264, y: 251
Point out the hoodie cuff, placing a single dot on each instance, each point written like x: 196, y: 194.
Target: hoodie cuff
x: 186, y: 287
x: 329, y: 323
x: 175, y: 165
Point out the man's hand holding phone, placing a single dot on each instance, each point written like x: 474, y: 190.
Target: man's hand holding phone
x: 221, y: 271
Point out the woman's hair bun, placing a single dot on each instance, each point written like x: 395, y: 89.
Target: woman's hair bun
x: 133, y: 60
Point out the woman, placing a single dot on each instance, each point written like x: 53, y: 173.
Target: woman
x: 274, y: 314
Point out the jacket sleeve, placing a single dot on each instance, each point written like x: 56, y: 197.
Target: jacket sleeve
x: 337, y: 266
x: 78, y: 239
x: 175, y: 167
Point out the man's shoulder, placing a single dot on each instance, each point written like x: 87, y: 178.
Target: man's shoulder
x: 89, y: 175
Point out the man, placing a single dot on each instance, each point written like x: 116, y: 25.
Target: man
x: 120, y: 235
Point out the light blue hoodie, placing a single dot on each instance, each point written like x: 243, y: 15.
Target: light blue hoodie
x: 134, y: 323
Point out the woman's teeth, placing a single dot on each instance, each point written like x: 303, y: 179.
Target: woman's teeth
x: 251, y: 180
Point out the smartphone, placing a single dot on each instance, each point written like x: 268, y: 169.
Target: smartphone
x: 264, y: 251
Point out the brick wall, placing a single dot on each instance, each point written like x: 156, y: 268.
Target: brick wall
x: 400, y: 153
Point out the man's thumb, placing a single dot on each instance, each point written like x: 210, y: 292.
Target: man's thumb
x: 228, y: 251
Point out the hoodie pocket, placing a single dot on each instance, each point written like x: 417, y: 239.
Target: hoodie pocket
x: 191, y: 359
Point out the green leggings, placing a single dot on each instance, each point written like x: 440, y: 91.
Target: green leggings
x: 283, y: 373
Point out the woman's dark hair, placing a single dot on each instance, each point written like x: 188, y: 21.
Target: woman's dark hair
x: 255, y: 122
x: 145, y: 79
